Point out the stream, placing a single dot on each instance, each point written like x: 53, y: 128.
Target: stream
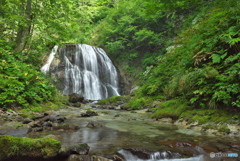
x: 137, y: 137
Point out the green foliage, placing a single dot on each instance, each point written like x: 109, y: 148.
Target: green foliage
x: 40, y: 25
x: 206, y: 127
x: 188, y: 49
x: 139, y: 103
x: 172, y: 108
x: 224, y: 129
x: 235, y: 117
x: 207, y: 115
x: 18, y: 146
x: 28, y: 31
x: 129, y: 35
x: 202, y: 64
x: 114, y: 100
x: 21, y: 83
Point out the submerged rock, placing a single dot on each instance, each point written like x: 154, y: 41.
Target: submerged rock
x: 65, y: 127
x: 75, y: 157
x: 80, y: 149
x: 94, y: 124
x: 99, y: 158
x: 14, y: 128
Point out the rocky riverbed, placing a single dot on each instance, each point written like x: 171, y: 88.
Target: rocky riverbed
x: 116, y: 134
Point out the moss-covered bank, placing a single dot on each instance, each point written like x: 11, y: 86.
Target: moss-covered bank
x: 58, y: 102
x: 12, y: 147
x: 185, y: 115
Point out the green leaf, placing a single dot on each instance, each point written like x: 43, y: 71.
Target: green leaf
x: 216, y: 58
x: 223, y: 56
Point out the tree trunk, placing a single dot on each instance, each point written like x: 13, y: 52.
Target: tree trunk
x: 24, y: 27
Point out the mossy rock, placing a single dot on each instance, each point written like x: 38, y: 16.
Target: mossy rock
x: 12, y: 147
x: 224, y: 129
x: 89, y: 113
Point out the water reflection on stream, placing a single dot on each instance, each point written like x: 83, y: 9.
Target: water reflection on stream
x: 119, y: 130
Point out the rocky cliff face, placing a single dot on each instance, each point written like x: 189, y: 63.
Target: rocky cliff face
x: 125, y: 81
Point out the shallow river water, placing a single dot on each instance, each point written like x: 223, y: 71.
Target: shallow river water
x: 135, y: 134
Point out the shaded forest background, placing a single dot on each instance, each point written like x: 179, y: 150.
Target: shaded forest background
x: 183, y: 53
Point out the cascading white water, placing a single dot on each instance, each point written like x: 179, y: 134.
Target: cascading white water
x: 85, y: 70
x: 46, y: 67
x: 158, y: 156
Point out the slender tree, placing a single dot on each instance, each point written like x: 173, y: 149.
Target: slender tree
x: 24, y: 26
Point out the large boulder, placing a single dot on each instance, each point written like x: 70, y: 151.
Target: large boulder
x: 74, y: 98
x: 18, y: 148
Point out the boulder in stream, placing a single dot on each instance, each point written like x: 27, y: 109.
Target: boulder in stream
x: 89, y: 113
x: 55, y: 117
x: 74, y: 98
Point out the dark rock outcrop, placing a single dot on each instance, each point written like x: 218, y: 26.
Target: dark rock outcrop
x: 74, y: 98
x: 55, y: 117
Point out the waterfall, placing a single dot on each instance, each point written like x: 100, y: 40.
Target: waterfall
x: 45, y: 68
x: 158, y: 156
x: 85, y: 70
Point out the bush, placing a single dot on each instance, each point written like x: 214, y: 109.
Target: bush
x: 139, y: 103
x: 203, y: 66
x: 22, y: 84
